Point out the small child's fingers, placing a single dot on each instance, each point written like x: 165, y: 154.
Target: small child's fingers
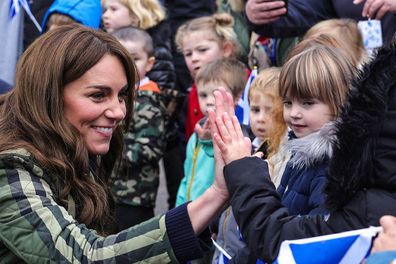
x: 259, y: 154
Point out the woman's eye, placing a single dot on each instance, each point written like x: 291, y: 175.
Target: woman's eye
x: 123, y: 96
x: 98, y: 95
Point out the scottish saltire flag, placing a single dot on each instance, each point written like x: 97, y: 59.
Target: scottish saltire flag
x: 15, y: 8
x: 224, y: 257
x: 345, y: 248
x: 242, y: 109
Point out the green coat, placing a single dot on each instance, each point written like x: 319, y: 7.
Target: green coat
x: 35, y: 229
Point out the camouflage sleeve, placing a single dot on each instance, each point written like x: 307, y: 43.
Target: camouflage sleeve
x: 145, y: 140
x: 35, y: 229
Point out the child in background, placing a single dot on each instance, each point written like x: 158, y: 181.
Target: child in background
x: 199, y: 163
x: 150, y: 15
x: 203, y: 40
x: 64, y: 12
x: 266, y: 121
x: 346, y: 32
x: 136, y: 178
x: 267, y: 124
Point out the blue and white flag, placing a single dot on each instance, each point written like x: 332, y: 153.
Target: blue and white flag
x: 15, y: 8
x: 345, y: 248
x: 242, y: 109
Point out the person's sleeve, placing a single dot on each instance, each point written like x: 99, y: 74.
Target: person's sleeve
x: 185, y: 244
x: 301, y: 16
x: 265, y: 222
x: 145, y: 139
x: 316, y: 194
x: 37, y: 230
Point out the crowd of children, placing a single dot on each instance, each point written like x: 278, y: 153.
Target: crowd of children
x: 297, y: 170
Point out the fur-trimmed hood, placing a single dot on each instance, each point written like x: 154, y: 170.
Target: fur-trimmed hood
x: 365, y: 153
x: 315, y: 147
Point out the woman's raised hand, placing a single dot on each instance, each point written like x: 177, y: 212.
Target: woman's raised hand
x: 226, y: 131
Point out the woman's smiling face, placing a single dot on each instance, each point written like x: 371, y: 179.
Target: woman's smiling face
x: 95, y: 103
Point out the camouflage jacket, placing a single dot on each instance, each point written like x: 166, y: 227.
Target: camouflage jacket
x: 35, y: 229
x: 135, y: 179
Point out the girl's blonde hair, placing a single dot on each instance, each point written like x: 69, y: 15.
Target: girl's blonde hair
x: 267, y: 84
x: 320, y: 72
x: 149, y: 12
x: 219, y: 24
x: 346, y: 32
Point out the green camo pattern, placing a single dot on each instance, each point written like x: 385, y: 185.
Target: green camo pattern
x: 136, y: 179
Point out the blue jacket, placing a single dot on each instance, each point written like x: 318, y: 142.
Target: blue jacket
x: 304, y: 178
x: 199, y: 170
x: 86, y: 12
x: 303, y: 14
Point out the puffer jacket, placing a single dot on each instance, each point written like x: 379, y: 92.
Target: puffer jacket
x: 361, y: 182
x: 163, y: 71
x: 303, y: 180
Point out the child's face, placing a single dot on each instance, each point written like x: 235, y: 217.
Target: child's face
x: 117, y: 15
x: 261, y: 115
x: 143, y: 62
x: 205, y: 95
x: 199, y: 49
x: 305, y: 116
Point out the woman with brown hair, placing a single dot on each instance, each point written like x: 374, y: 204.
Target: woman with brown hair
x: 61, y: 133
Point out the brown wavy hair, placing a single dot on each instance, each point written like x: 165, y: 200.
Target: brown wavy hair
x: 32, y: 116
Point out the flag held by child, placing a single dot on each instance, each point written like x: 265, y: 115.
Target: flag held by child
x: 347, y: 247
x: 242, y: 109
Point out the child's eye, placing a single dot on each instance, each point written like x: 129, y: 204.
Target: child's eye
x: 202, y: 49
x: 287, y: 103
x: 187, y: 54
x: 308, y: 103
x: 255, y: 109
x: 202, y: 95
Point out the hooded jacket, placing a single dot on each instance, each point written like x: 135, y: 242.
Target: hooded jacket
x: 303, y: 180
x: 362, y: 173
x: 86, y: 12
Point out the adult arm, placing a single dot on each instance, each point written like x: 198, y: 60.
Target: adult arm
x: 376, y: 9
x: 35, y: 229
x: 301, y: 15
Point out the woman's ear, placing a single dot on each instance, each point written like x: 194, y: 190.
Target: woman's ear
x: 228, y: 49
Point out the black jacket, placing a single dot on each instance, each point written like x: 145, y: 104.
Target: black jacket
x: 303, y: 14
x: 163, y: 71
x: 362, y: 174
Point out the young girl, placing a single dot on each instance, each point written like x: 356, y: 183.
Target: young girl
x: 313, y: 85
x: 203, y: 40
x: 150, y: 16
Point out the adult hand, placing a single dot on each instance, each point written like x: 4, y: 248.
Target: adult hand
x: 264, y: 11
x: 386, y: 240
x: 377, y: 8
x: 226, y: 130
x: 224, y: 103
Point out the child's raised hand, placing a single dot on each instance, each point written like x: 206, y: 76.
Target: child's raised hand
x: 204, y: 132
